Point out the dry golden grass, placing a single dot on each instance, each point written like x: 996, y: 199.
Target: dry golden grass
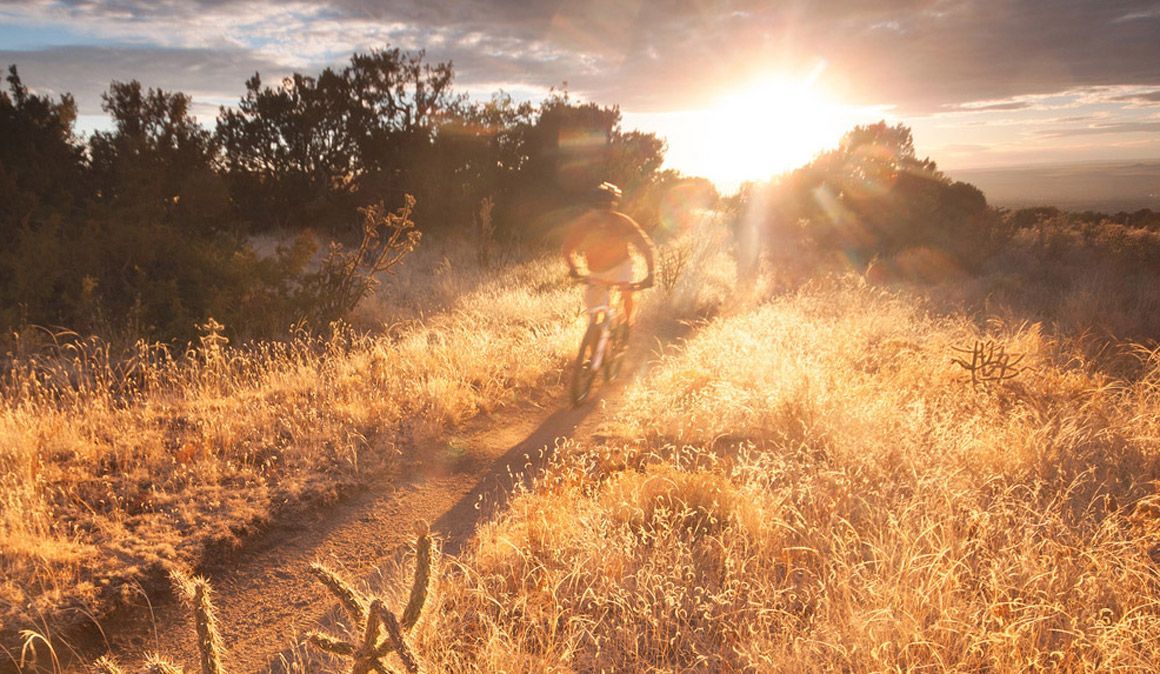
x: 809, y: 483
x: 813, y: 485
x: 111, y: 470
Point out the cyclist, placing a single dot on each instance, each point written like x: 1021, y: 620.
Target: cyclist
x: 601, y: 237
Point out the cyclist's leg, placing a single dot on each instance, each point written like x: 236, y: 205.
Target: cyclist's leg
x: 621, y: 273
x: 624, y: 274
x: 596, y: 295
x: 629, y: 305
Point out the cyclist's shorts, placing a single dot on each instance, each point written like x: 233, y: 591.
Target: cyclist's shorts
x: 596, y: 295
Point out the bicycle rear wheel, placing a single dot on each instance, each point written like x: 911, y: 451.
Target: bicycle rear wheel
x: 582, y: 373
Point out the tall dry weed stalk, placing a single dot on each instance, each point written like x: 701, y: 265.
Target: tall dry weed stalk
x: 673, y: 259
x: 346, y: 277
x: 485, y: 231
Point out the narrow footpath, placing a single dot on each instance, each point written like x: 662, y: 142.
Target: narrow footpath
x: 264, y: 594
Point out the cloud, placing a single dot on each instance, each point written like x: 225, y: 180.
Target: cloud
x: 1100, y: 129
x: 993, y: 50
x: 993, y: 106
x: 1143, y: 14
x: 965, y: 148
x: 208, y: 75
x: 1146, y: 98
x: 921, y: 55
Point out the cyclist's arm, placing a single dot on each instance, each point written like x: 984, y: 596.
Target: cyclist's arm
x: 571, y: 243
x: 644, y: 245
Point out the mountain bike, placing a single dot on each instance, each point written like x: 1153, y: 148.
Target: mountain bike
x: 605, y: 340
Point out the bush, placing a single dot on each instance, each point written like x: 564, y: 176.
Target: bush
x: 873, y: 198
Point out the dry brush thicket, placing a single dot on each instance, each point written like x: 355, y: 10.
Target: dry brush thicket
x: 112, y: 469
x: 813, y: 485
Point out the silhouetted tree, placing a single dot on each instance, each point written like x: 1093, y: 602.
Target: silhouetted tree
x: 569, y: 144
x: 310, y: 151
x: 489, y: 143
x: 41, y: 162
x: 291, y: 152
x: 144, y: 230
x: 159, y: 251
x: 42, y: 193
x: 158, y: 158
x: 570, y: 148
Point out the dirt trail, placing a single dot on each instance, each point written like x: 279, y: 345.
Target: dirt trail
x: 264, y: 595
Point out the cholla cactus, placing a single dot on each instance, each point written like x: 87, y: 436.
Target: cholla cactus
x: 375, y: 616
x: 107, y: 665
x: 155, y: 664
x: 195, y: 592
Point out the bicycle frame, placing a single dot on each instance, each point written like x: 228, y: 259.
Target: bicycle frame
x: 598, y: 350
x: 603, y: 316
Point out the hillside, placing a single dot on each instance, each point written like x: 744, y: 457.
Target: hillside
x: 808, y: 481
x: 812, y: 484
x: 579, y: 337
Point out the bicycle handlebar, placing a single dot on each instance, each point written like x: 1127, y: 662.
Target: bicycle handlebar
x: 623, y: 285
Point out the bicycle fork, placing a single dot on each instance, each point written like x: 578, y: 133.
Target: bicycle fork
x: 600, y: 346
x: 602, y: 343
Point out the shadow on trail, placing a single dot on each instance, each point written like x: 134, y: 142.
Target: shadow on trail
x: 521, y: 464
x: 527, y: 460
x: 278, y: 559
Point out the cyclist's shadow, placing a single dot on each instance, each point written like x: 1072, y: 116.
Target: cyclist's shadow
x: 520, y: 465
x: 527, y: 459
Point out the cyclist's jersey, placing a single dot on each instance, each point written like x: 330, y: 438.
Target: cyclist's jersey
x: 602, y: 238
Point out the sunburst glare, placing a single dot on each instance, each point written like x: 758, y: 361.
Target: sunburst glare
x: 759, y: 129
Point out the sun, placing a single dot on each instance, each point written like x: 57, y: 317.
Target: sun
x: 758, y: 129
x: 770, y: 127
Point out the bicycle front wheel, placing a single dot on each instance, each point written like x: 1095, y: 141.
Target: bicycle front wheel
x: 582, y: 373
x: 614, y: 353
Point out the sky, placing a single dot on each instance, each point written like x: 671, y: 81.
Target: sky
x: 736, y: 87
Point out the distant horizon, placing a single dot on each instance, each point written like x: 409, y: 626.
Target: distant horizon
x: 1000, y: 183
x: 1072, y: 186
x: 1049, y: 163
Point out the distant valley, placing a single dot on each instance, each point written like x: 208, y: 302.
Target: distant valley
x: 1099, y: 186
